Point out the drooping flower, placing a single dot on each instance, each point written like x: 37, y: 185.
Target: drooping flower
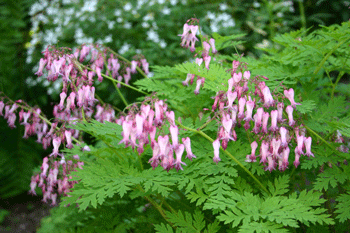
x: 252, y: 157
x: 187, y: 143
x: 216, y: 146
x: 290, y: 96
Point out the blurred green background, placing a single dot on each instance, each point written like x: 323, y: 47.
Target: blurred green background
x: 148, y: 27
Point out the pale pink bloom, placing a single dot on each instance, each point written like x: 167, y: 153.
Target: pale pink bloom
x: 231, y: 97
x: 33, y: 184
x: 26, y: 116
x: 42, y: 64
x: 168, y: 159
x: 133, y: 67
x: 171, y: 117
x: 271, y: 164
x: 11, y: 120
x: 174, y: 131
x: 290, y: 96
x: 139, y: 124
x: 207, y: 61
x: 199, y: 61
x: 300, y: 144
x: 237, y: 77
x: 252, y: 157
x: 212, y: 44
x: 145, y: 66
x: 230, y: 84
x: 84, y: 52
x: 145, y: 110
x: 275, y: 144
x: 246, y: 75
x: 268, y: 100
x: 63, y: 96
x: 235, y: 65
x: 187, y: 143
x: 206, y: 48
x: 127, y: 126
x: 179, y: 151
x: 99, y: 75
x: 283, y: 133
x: 265, y: 120
x: 68, y: 135
x: 56, y: 144
x: 241, y: 105
x: 274, y: 115
x: 45, y: 167
x: 216, y: 146
x: 248, y: 114
x: 200, y: 82
x: 258, y: 120
x: 289, y: 110
x: 188, y: 78
x: 163, y: 143
x: 283, y: 160
x: 264, y: 152
x: 307, y: 143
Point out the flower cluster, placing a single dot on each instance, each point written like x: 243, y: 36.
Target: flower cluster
x: 140, y: 128
x: 77, y: 101
x: 206, y: 58
x: 53, y: 183
x: 240, y: 107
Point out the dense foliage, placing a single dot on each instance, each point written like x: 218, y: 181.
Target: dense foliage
x: 266, y: 140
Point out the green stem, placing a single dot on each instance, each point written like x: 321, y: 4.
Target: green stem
x: 302, y: 14
x: 226, y: 152
x: 120, y: 94
x: 340, y: 75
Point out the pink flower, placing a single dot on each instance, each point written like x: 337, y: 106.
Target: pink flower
x: 2, y: 105
x: 264, y: 152
x: 174, y: 131
x: 275, y: 147
x: 283, y: 161
x: 206, y: 48
x: 68, y: 135
x: 289, y: 110
x: 231, y: 97
x: 307, y: 143
x: 283, y: 133
x: 268, y: 100
x: 207, y: 61
x: 252, y: 157
x: 280, y: 112
x: 127, y: 126
x: 163, y: 143
x: 290, y: 96
x: 274, y: 115
x: 212, y: 44
x: 248, y: 114
x: 264, y: 122
x: 200, y: 82
x: 258, y: 120
x: 246, y: 75
x: 187, y: 143
x: 241, y: 105
x: 56, y: 144
x: 179, y: 151
x: 42, y: 64
x: 300, y: 144
x: 139, y: 124
x: 216, y: 146
x: 63, y: 96
x: 133, y: 67
x: 271, y: 164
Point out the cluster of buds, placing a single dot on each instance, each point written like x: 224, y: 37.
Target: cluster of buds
x: 206, y: 58
x: 240, y: 107
x: 140, y: 128
x: 51, y: 182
